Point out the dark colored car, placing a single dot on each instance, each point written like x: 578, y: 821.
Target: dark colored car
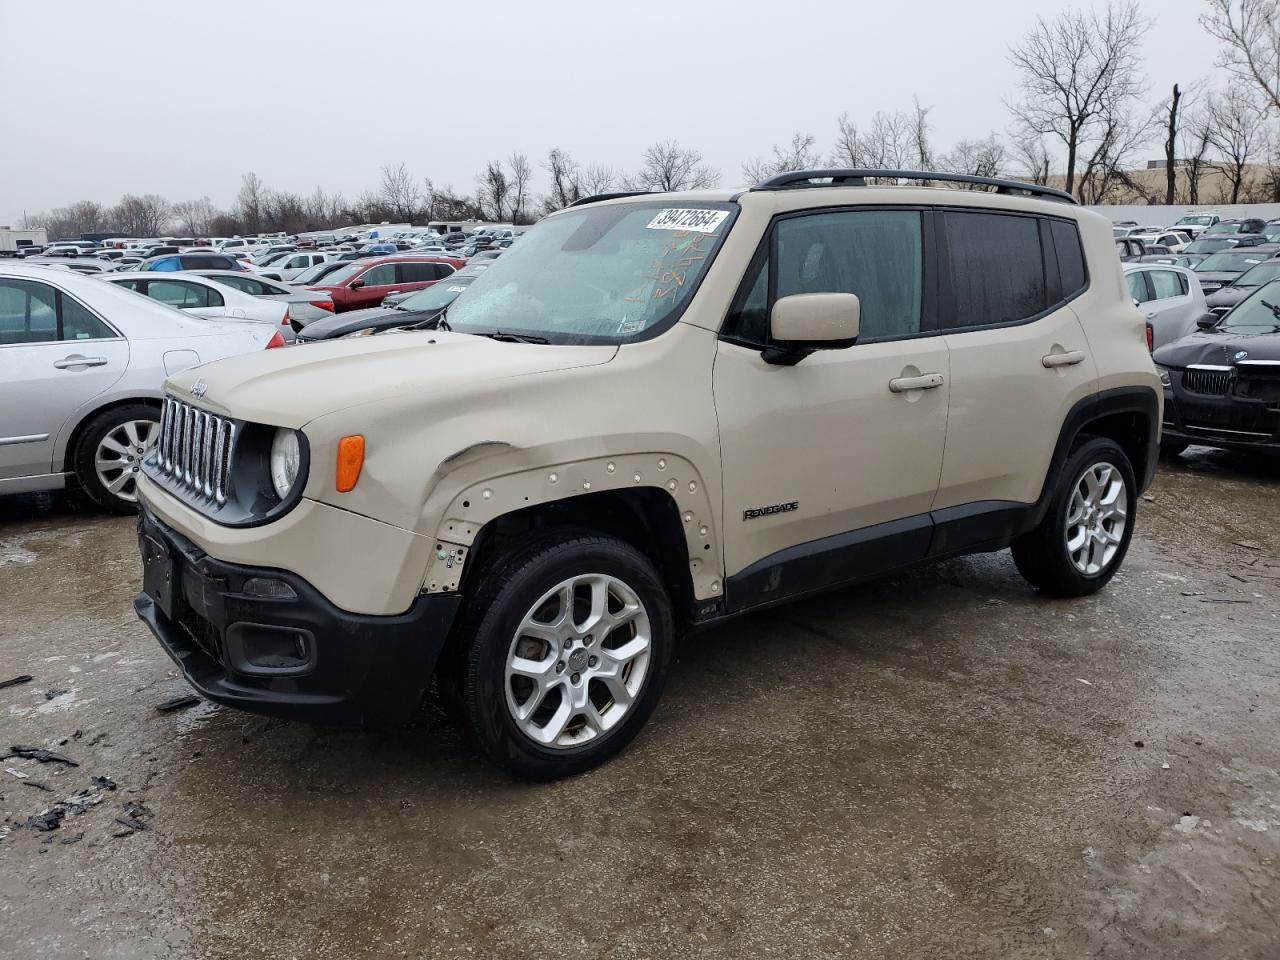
x: 1246, y: 225
x: 420, y: 307
x: 1258, y: 275
x: 1219, y: 270
x: 191, y: 261
x: 1222, y: 384
x: 1210, y: 245
x: 364, y: 283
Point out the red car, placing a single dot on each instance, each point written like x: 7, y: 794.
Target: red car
x: 363, y: 283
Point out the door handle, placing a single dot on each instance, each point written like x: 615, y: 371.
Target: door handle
x: 75, y: 361
x: 1062, y: 359
x: 926, y: 381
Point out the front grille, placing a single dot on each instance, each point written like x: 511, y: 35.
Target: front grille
x: 194, y: 450
x: 1215, y: 383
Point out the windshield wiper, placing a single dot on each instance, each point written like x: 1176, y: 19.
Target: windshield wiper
x: 514, y: 337
x: 438, y: 322
x: 1275, y: 311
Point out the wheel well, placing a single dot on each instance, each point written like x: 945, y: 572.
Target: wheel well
x: 68, y: 454
x: 1130, y: 429
x: 648, y: 519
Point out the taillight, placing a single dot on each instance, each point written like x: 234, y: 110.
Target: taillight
x: 1151, y: 338
x: 277, y: 340
x: 323, y: 305
x: 284, y: 321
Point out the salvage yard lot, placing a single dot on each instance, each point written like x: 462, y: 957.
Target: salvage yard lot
x: 938, y: 765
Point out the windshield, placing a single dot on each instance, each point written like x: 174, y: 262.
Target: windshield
x: 344, y: 273
x: 597, y: 274
x: 438, y: 296
x: 1224, y: 227
x: 1257, y: 313
x: 1262, y: 273
x: 1210, y: 246
x: 312, y: 274
x: 269, y: 258
x: 1194, y: 221
x: 1227, y: 263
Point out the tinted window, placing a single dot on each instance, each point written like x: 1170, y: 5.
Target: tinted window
x: 249, y: 285
x: 417, y: 272
x: 28, y: 312
x: 79, y: 324
x: 1165, y: 284
x: 1066, y: 240
x: 995, y: 267
x: 183, y: 295
x: 876, y: 254
x: 380, y: 275
x: 207, y: 262
x: 751, y: 320
x: 1137, y: 282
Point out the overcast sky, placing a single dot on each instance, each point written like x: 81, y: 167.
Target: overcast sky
x: 101, y: 99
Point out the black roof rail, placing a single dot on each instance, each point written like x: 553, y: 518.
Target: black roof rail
x: 597, y: 197
x: 799, y: 179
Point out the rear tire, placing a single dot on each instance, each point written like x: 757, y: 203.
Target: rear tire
x: 563, y: 655
x: 108, y: 456
x: 1085, y: 533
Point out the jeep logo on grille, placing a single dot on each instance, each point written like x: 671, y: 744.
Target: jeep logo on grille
x: 771, y: 509
x: 198, y: 388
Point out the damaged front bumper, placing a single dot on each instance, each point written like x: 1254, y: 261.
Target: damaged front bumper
x: 267, y: 641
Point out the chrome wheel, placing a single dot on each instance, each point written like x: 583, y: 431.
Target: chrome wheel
x: 120, y: 454
x: 578, y: 661
x: 1096, y: 518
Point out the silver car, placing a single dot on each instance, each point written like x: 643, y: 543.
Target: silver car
x: 303, y: 305
x: 81, y: 368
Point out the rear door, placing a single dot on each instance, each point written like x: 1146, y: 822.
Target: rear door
x: 1171, y: 311
x: 55, y: 355
x: 1019, y: 361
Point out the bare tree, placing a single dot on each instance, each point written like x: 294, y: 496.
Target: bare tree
x: 1171, y: 148
x: 1194, y: 134
x: 977, y: 158
x: 597, y: 178
x: 848, y: 149
x: 399, y: 192
x: 1250, y: 33
x: 1034, y: 157
x: 1235, y: 129
x: 669, y: 166
x: 565, y: 185
x: 521, y: 173
x: 194, y: 215
x: 887, y: 144
x: 494, y: 191
x: 922, y: 152
x: 249, y: 201
x: 1106, y: 168
x: 799, y: 154
x: 1078, y: 73
x: 146, y: 216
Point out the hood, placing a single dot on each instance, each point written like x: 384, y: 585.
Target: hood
x: 375, y: 318
x: 1218, y: 349
x: 1228, y: 296
x: 291, y: 386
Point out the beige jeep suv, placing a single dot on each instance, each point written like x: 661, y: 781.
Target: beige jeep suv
x: 654, y: 412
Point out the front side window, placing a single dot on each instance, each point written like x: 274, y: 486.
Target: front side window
x: 607, y: 273
x: 1137, y: 282
x: 379, y: 276
x: 995, y: 267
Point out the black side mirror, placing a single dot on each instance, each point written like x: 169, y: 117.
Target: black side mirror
x: 1208, y: 321
x: 356, y: 285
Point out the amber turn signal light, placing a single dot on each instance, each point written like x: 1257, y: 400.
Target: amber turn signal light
x: 350, y: 460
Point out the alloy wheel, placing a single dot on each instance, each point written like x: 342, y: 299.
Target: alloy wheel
x: 1096, y: 518
x: 120, y: 454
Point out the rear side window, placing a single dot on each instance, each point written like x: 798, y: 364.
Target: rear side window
x: 183, y: 295
x: 415, y: 272
x: 1165, y: 284
x: 1066, y: 241
x: 79, y: 324
x: 206, y: 262
x: 995, y: 266
x: 1137, y: 283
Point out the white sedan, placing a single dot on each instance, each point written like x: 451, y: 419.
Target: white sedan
x: 82, y: 363
x: 304, y: 305
x: 191, y: 292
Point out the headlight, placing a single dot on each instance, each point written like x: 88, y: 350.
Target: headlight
x: 1164, y: 375
x: 286, y: 459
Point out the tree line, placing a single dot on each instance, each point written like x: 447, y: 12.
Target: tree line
x: 1079, y: 120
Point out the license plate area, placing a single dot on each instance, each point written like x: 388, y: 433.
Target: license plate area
x: 160, y: 575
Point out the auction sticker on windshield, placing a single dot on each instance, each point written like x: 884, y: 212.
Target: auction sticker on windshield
x: 701, y: 221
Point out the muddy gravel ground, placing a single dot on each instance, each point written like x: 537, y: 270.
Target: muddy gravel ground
x: 938, y: 765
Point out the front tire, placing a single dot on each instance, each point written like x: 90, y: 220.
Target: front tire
x: 108, y: 457
x: 1085, y: 533
x: 565, y: 656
